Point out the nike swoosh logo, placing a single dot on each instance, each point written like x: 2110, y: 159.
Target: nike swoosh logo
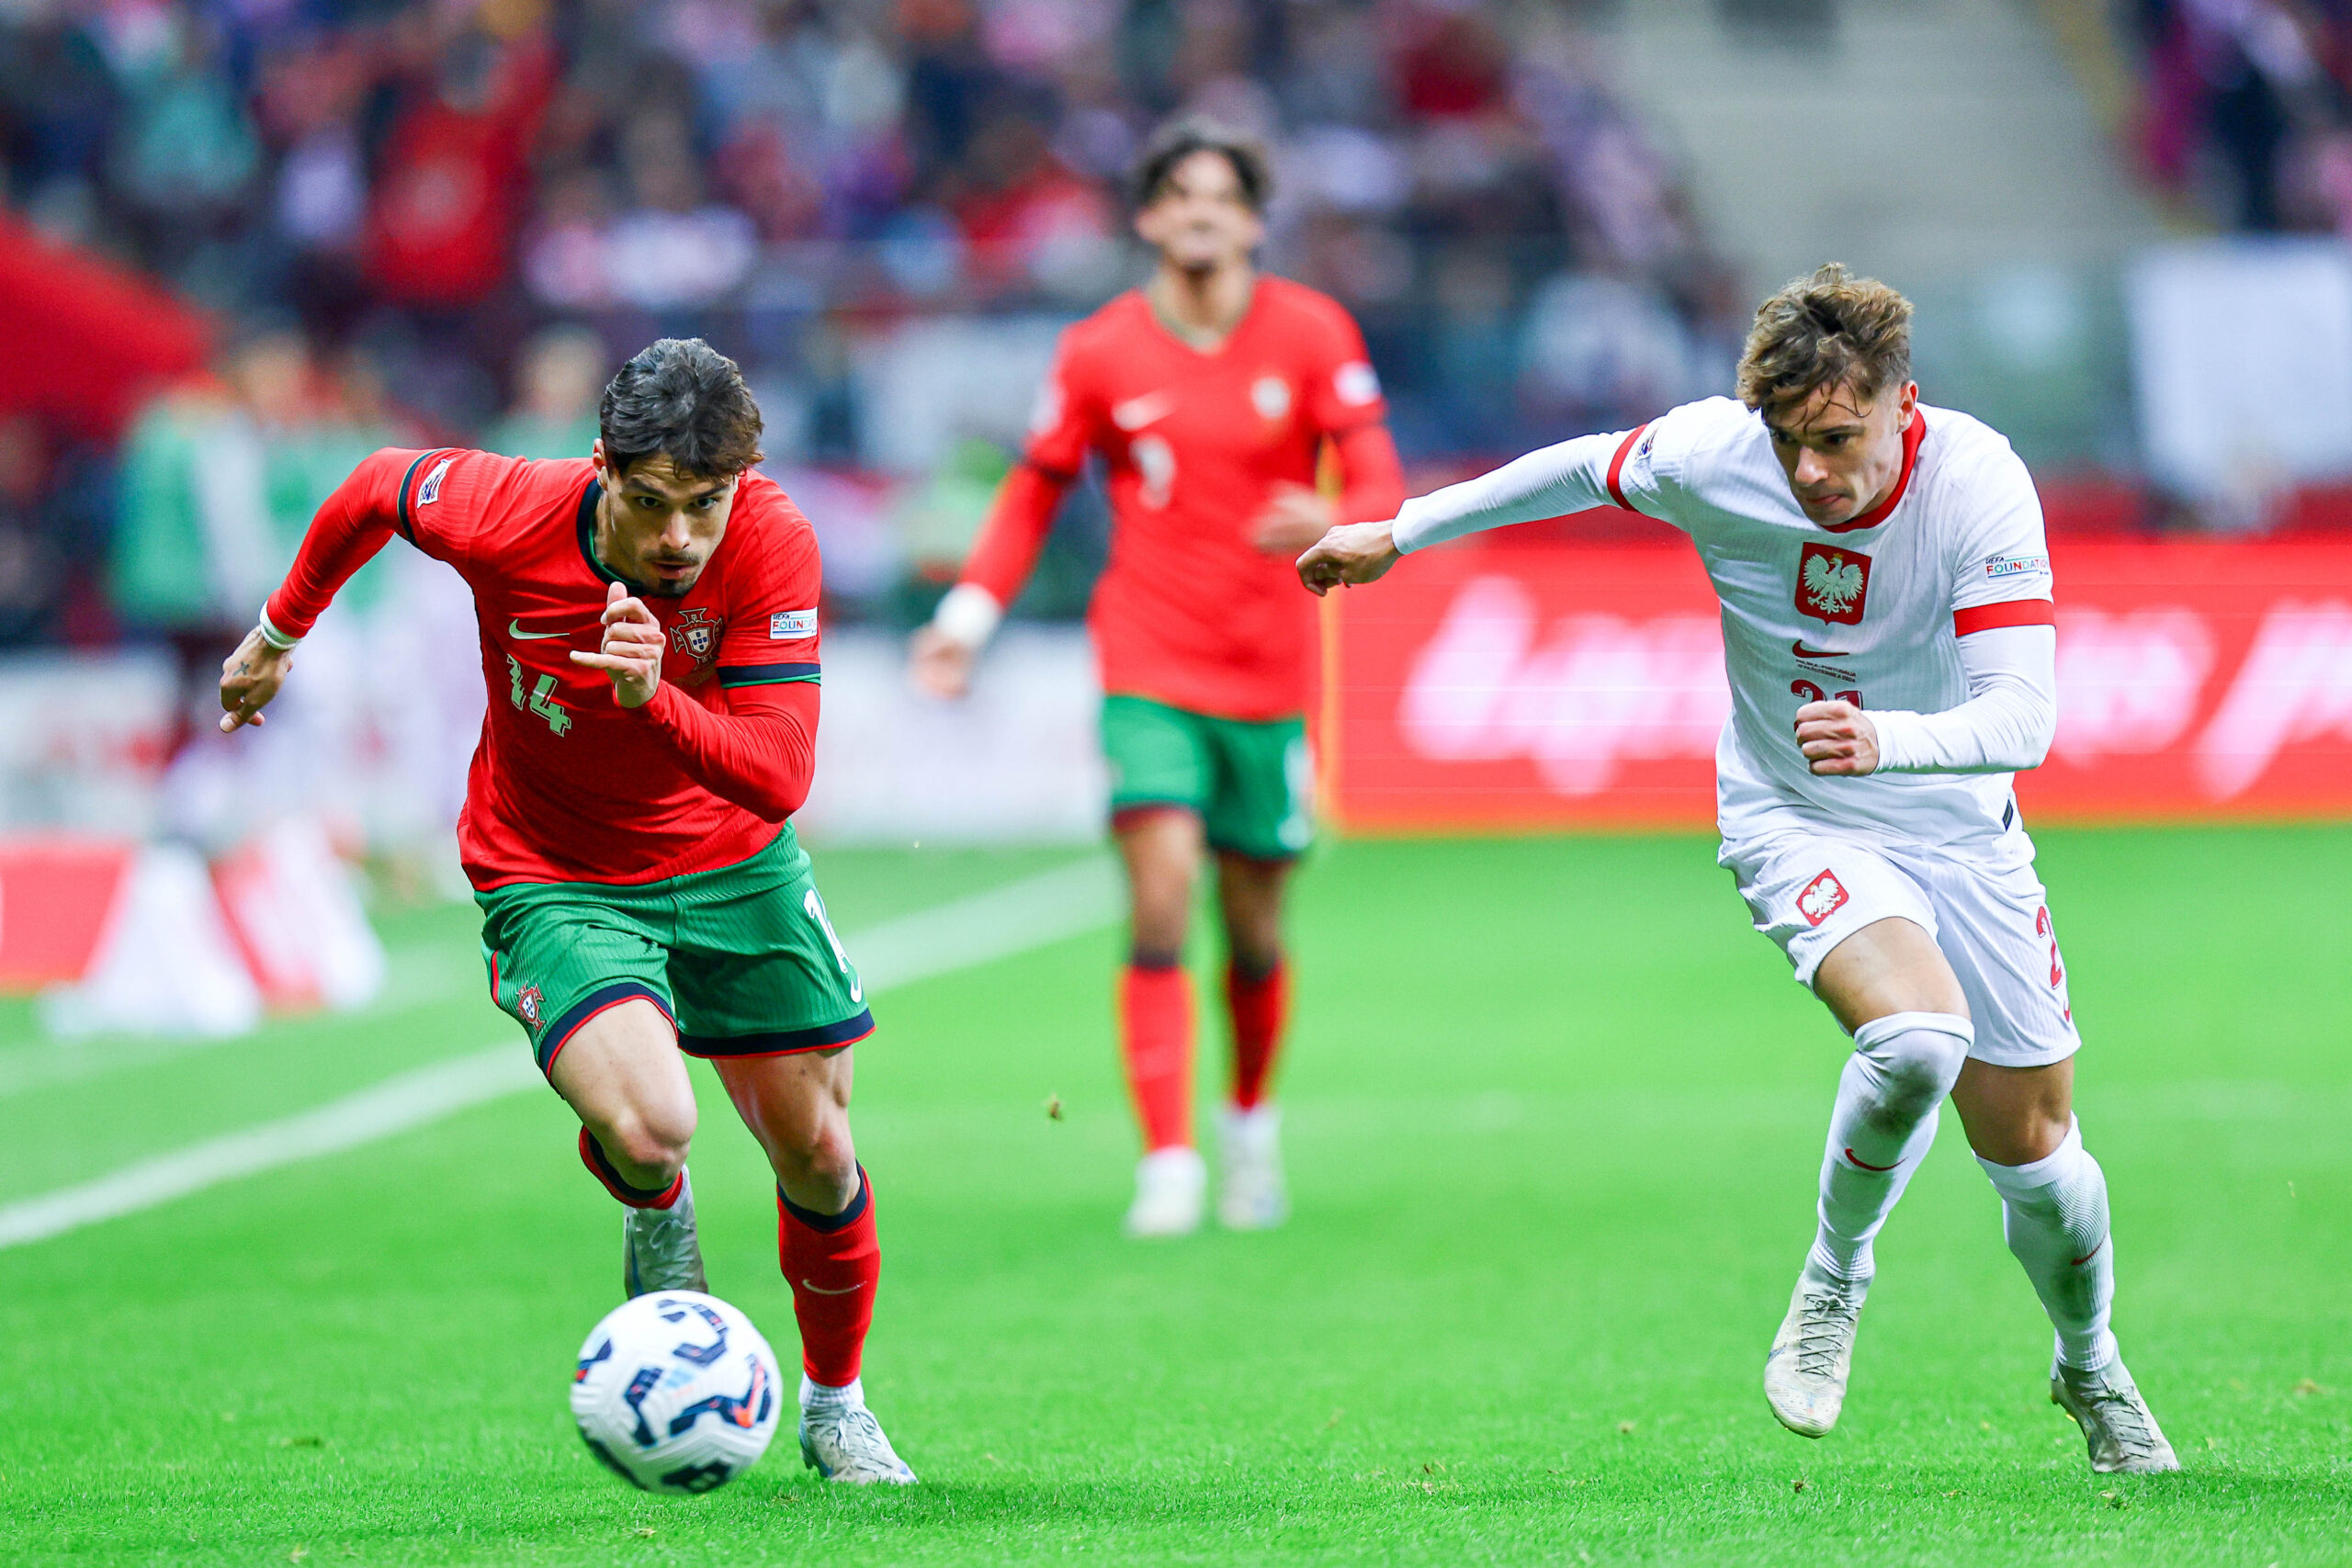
x: 1801, y: 651
x: 2087, y: 1257
x: 820, y: 1290
x: 514, y: 629
x: 1136, y: 412
x: 1866, y: 1165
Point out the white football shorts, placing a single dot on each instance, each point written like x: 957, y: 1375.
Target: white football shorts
x: 1810, y: 891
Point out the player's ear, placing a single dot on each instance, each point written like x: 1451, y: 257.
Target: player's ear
x: 596, y: 458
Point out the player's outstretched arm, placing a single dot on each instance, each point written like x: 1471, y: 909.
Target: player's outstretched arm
x: 941, y: 656
x: 349, y: 527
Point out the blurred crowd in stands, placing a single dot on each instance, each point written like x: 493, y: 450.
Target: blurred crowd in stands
x: 2246, y: 109
x: 447, y: 221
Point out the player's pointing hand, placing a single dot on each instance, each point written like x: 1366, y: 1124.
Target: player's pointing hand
x: 632, y: 650
x: 1353, y: 552
x: 1837, y: 740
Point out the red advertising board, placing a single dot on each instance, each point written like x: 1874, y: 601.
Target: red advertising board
x: 1516, y: 688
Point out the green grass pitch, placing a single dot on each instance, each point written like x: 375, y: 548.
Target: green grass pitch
x: 1554, y: 1115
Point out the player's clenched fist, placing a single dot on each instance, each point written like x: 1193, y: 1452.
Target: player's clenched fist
x: 631, y: 651
x: 1353, y: 552
x: 1837, y: 738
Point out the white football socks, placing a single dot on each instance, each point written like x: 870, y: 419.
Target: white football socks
x: 814, y: 1393
x: 1889, y: 1098
x: 2055, y: 1214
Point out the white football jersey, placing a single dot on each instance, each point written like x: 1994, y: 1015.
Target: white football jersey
x: 1870, y: 610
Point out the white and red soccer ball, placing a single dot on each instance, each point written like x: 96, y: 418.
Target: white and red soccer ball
x: 676, y: 1391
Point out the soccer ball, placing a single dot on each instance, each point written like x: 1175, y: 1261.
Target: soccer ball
x: 676, y: 1391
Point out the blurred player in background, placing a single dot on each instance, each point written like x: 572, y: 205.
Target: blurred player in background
x: 1210, y: 394
x: 1891, y: 643
x: 649, y: 632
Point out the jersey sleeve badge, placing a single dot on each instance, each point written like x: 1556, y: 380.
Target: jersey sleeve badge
x: 430, y: 490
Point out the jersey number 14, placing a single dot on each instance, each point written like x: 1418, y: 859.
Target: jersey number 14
x: 541, y: 700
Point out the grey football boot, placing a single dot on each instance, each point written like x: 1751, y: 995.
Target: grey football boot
x: 1805, y: 1377
x: 841, y: 1441
x: 2123, y: 1435
x: 658, y: 1248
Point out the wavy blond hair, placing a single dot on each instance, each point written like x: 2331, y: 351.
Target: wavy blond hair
x: 1830, y: 330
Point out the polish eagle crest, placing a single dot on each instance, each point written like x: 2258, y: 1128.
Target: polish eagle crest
x: 1833, y: 585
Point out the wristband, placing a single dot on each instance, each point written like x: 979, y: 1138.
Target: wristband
x: 272, y: 636
x: 969, y: 615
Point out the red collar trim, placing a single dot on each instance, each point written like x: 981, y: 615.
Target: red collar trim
x: 1913, y: 433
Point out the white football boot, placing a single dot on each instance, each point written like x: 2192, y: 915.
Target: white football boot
x: 1171, y: 1187
x: 2116, y: 1423
x: 841, y: 1441
x: 658, y: 1248
x: 1250, y: 1195
x: 1805, y: 1377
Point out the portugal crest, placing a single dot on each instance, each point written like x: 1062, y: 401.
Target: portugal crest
x: 695, y: 635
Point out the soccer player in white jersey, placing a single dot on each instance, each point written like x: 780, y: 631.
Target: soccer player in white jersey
x: 1890, y: 640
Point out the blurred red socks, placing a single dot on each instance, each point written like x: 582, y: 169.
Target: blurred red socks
x: 1156, y: 1040
x: 1258, y: 1007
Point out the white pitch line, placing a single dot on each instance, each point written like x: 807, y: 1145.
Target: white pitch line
x: 1068, y: 901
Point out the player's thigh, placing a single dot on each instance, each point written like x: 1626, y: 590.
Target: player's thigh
x: 756, y: 965
x: 1997, y: 928
x: 621, y: 1073
x: 1817, y: 895
x: 1261, y: 804
x: 559, y: 956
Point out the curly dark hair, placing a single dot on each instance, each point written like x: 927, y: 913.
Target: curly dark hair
x: 681, y: 397
x: 1180, y: 139
x: 1830, y: 330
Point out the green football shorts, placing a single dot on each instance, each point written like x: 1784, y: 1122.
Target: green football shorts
x: 1251, y: 783
x: 742, y: 960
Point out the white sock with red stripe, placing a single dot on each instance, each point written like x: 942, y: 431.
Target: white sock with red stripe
x: 2055, y: 1214
x: 1889, y: 1099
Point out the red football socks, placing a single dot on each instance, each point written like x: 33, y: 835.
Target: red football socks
x: 591, y: 1155
x: 1156, y: 1038
x: 1258, y: 1007
x: 833, y: 1262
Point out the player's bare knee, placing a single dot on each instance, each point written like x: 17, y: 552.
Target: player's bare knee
x: 821, y: 1154
x: 651, y: 1140
x: 1916, y: 1057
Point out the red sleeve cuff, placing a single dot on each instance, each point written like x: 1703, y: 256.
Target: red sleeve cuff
x: 2008, y: 612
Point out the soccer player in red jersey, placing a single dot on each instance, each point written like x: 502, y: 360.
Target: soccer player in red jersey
x: 649, y: 632
x: 1211, y: 395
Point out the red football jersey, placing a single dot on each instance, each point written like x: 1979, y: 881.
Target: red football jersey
x: 1189, y: 611
x: 567, y: 786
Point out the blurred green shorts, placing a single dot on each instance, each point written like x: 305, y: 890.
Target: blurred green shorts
x: 1251, y: 783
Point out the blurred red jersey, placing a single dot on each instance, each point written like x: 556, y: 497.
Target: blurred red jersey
x: 1189, y: 611
x: 567, y: 786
